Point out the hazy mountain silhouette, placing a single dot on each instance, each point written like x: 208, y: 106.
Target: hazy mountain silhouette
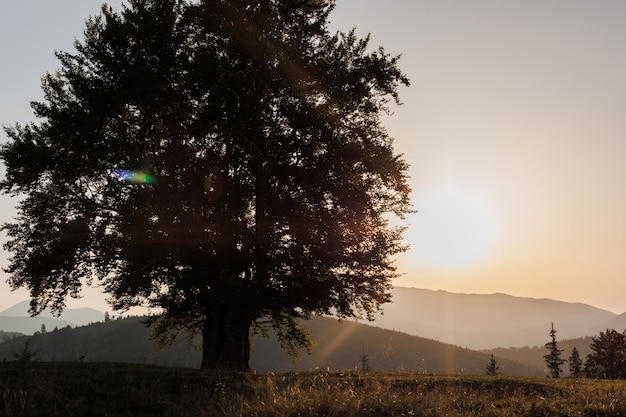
x: 486, y: 321
x: 618, y: 323
x: 77, y: 316
x: 17, y: 319
x: 340, y: 345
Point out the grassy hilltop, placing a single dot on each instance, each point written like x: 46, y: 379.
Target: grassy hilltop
x: 101, y: 389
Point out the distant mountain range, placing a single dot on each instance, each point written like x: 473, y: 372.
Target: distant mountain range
x: 17, y: 319
x: 486, y: 321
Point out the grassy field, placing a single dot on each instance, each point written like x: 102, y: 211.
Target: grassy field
x: 101, y: 389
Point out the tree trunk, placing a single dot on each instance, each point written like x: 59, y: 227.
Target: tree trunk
x: 226, y: 339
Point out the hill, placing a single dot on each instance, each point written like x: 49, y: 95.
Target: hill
x: 4, y: 336
x: 618, y: 323
x: 340, y: 345
x: 17, y: 318
x: 486, y: 321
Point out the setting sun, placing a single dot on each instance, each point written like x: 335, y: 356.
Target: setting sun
x: 453, y: 228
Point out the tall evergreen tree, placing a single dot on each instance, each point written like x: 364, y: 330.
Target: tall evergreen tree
x: 575, y: 363
x: 223, y: 161
x: 553, y: 358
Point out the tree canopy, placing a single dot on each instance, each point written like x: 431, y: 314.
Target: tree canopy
x: 223, y: 161
x: 608, y: 356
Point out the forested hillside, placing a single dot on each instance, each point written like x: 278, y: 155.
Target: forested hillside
x: 339, y: 345
x: 4, y: 336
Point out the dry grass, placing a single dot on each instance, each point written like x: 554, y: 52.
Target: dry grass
x: 90, y: 389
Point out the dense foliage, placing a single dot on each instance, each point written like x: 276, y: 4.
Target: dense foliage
x: 221, y: 160
x: 608, y: 356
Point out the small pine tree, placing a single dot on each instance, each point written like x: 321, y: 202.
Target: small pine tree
x: 492, y: 367
x: 25, y: 354
x: 575, y: 363
x: 553, y: 359
x: 43, y: 329
x: 365, y: 361
x: 107, y: 318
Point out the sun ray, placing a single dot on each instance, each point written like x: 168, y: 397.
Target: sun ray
x: 326, y: 351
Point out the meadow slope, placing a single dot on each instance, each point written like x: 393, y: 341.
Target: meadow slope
x: 101, y: 389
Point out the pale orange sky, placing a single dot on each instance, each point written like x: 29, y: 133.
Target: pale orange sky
x: 520, y: 103
x: 515, y: 105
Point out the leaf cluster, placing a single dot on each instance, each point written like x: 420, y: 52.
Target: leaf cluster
x: 608, y: 356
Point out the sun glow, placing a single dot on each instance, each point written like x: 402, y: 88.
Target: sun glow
x: 452, y: 229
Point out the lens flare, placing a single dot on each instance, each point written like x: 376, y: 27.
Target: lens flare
x: 135, y: 177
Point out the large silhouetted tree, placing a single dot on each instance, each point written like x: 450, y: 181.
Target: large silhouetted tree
x: 223, y: 161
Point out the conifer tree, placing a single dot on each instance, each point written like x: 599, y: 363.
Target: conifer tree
x: 553, y: 358
x: 25, y: 354
x: 364, y: 360
x: 575, y: 363
x: 492, y: 367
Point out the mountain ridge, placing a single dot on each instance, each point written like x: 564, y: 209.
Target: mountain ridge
x: 17, y: 319
x: 485, y: 321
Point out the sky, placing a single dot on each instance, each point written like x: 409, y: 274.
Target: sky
x: 513, y: 127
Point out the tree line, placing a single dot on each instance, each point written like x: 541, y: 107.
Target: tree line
x: 607, y: 359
